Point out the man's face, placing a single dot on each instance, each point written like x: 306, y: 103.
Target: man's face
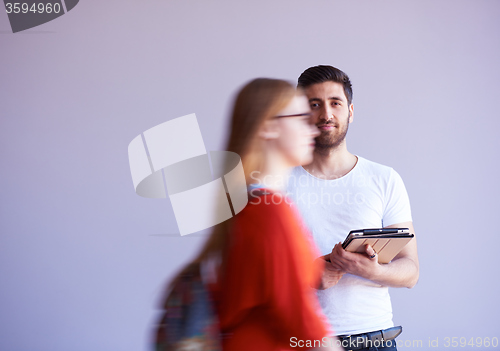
x: 330, y: 113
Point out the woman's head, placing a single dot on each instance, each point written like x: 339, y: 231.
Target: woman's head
x: 294, y: 132
x: 269, y: 116
x: 260, y: 123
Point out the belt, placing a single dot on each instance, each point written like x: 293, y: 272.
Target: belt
x: 377, y: 338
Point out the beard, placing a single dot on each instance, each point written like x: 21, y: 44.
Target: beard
x: 333, y: 138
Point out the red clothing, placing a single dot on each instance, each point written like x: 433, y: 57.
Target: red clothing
x: 266, y: 296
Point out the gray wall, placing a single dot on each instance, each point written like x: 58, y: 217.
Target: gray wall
x: 83, y: 259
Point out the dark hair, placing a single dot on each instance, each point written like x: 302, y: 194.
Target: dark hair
x: 321, y: 74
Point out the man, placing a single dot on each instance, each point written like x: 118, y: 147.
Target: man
x: 339, y: 192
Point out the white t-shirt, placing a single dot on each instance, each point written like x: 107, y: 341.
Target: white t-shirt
x: 369, y: 196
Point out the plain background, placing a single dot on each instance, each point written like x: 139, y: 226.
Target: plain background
x: 83, y: 259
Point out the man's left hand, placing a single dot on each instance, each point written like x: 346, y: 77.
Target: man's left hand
x: 361, y: 264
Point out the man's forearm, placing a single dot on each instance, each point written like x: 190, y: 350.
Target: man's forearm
x: 400, y: 273
x: 403, y: 270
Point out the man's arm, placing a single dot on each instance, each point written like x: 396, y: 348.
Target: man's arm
x: 402, y: 271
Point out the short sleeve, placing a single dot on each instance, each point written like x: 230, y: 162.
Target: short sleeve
x: 397, y: 203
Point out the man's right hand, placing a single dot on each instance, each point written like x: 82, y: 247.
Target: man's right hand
x: 331, y: 276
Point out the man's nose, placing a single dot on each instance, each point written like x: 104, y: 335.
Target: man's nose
x: 326, y: 114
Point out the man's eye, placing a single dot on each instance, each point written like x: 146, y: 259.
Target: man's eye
x: 314, y: 106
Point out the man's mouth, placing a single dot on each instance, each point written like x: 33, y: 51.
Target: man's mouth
x: 326, y: 126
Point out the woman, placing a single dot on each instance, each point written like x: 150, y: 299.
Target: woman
x: 263, y: 290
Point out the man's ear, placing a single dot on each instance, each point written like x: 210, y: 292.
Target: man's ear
x: 269, y: 130
x: 351, y: 113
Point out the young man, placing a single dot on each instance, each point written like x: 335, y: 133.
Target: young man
x: 339, y: 192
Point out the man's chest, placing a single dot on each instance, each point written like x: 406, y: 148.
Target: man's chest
x: 330, y: 213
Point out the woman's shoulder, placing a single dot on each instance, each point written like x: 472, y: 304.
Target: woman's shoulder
x: 268, y: 216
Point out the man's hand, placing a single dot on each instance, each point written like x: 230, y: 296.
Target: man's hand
x: 402, y: 271
x: 361, y: 264
x: 331, y: 275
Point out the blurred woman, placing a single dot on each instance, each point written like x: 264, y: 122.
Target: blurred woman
x: 263, y: 290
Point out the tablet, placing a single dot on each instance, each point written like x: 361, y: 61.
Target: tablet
x: 387, y: 242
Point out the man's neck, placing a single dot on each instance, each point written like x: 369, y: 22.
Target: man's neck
x: 332, y: 163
